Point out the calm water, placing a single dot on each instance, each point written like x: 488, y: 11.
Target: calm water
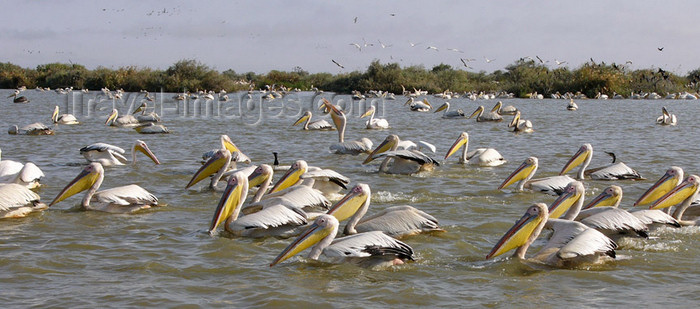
x: 163, y: 257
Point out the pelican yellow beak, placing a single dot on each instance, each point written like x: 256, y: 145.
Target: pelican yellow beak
x: 367, y: 113
x: 54, y: 116
x: 138, y: 109
x: 579, y: 157
x: 478, y: 110
x: 525, y: 169
x: 662, y: 186
x: 231, y: 199
x: 427, y: 103
x: 515, y: 120
x: 497, y: 107
x: 301, y: 119
x: 683, y: 191
x: 383, y: 147
x: 563, y: 203
x: 605, y: 198
x: 517, y: 235
x: 461, y: 141
x: 349, y: 204
x: 407, y: 101
x: 143, y: 148
x: 228, y: 144
x: 221, y: 159
x: 292, y: 176
x: 258, y: 176
x: 441, y: 108
x: 82, y: 182
x: 308, y: 238
x: 112, y: 117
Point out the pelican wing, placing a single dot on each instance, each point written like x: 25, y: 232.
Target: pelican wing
x: 574, y: 239
x: 294, y: 197
x: 651, y: 216
x: 101, y: 147
x: 320, y: 125
x: 368, y: 244
x: 126, y: 195
x: 273, y: 216
x: 551, y: 185
x: 423, y: 144
x: 9, y: 170
x: 612, y: 219
x: 14, y: 196
x: 399, y: 221
x: 615, y: 171
x: 30, y: 172
x: 353, y: 147
x: 485, y: 157
x: 411, y: 155
x: 327, y: 175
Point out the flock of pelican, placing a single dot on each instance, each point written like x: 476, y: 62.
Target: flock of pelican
x: 308, y: 203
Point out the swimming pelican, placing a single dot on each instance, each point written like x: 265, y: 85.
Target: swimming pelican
x: 17, y: 201
x: 572, y: 105
x: 672, y: 178
x: 27, y: 175
x: 481, y: 117
x: 520, y: 126
x: 151, y: 128
x: 370, y: 249
x: 450, y: 114
x: 364, y: 145
x: 666, y: 118
x: 63, y: 118
x: 36, y: 128
x: 683, y: 196
x: 572, y: 243
x: 613, y: 171
x: 480, y: 156
x: 553, y: 185
x: 217, y: 164
x: 374, y: 123
x: 396, y: 221
x: 421, y: 106
x: 611, y: 196
x: 316, y: 125
x: 18, y: 98
x: 109, y: 155
x: 236, y: 155
x: 326, y: 180
x: 126, y: 199
x: 145, y: 117
x: 124, y: 121
x: 402, y: 161
x: 508, y: 110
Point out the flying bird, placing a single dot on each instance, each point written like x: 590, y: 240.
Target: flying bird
x: 455, y: 50
x: 465, y: 63
x: 355, y: 19
x: 488, y: 60
x: 559, y: 62
x: 660, y: 49
x: 382, y: 44
x: 540, y: 59
x: 357, y: 45
x: 338, y: 64
x: 413, y: 44
x: 433, y: 47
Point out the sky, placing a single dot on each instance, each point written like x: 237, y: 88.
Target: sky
x: 260, y: 36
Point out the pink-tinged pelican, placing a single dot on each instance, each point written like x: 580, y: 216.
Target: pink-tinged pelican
x: 313, y: 125
x: 610, y: 198
x: 572, y: 244
x: 396, y: 221
x: 520, y: 126
x: 370, y: 249
x: 458, y: 114
x: 16, y: 201
x: 109, y: 155
x: 420, y: 106
x: 672, y: 178
x: 374, y: 123
x: 481, y: 117
x: 666, y: 118
x: 63, y: 118
x: 480, y: 156
x: 682, y: 196
x: 613, y: 171
x: 553, y: 185
x: 126, y: 199
x: 398, y: 161
x: 364, y: 145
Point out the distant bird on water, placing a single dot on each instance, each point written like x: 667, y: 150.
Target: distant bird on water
x: 338, y: 64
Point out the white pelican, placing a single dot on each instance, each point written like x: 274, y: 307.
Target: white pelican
x: 16, y: 201
x: 450, y: 114
x: 236, y: 155
x: 145, y: 117
x: 553, y: 185
x: 611, y: 197
x: 36, y: 128
x: 520, y: 126
x: 18, y: 98
x: 370, y: 249
x: 480, y: 156
x: 672, y: 178
x: 572, y: 105
x: 666, y: 118
x: 572, y: 243
x: 613, y: 171
x: 364, y: 145
x: 315, y: 125
x: 683, y: 196
x: 151, y: 128
x: 63, y: 118
x: 124, y: 121
x: 421, y: 106
x: 396, y: 221
x: 326, y: 180
x: 481, y: 117
x: 218, y: 163
x: 374, y: 123
x: 109, y: 155
x: 27, y: 175
x: 126, y: 199
x: 402, y: 161
x: 508, y: 110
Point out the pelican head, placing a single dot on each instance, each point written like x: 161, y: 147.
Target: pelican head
x: 582, y: 155
x: 369, y: 112
x: 220, y: 159
x: 442, y: 107
x: 228, y: 144
x: 389, y: 142
x: 54, y: 116
x: 291, y: 177
x: 351, y: 202
x: 462, y: 140
x: 516, y: 119
x: 13, y: 130
x: 479, y: 110
x: 686, y: 189
x: 496, y: 108
x: 573, y: 192
x: 86, y: 179
x: 112, y: 116
x: 666, y: 183
x: 324, y: 226
x: 303, y: 118
x: 519, y: 234
x: 142, y: 147
x: 231, y: 200
x: 611, y: 196
x: 525, y: 170
x: 262, y: 173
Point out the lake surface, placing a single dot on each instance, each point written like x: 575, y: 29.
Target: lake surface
x: 163, y: 257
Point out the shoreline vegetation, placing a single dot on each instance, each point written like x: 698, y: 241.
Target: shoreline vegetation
x: 522, y: 78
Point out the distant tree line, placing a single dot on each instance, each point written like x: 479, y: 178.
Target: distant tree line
x: 522, y: 77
